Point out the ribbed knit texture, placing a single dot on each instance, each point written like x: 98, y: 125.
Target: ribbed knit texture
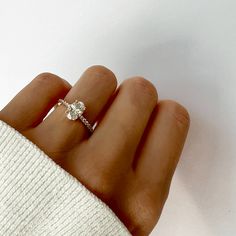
x: 38, y: 197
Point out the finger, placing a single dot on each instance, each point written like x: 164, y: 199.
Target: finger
x: 122, y: 126
x: 162, y: 144
x: 29, y: 107
x: 94, y: 89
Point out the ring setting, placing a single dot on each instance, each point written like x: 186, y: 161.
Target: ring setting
x: 75, y: 111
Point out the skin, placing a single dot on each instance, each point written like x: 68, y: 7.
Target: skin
x: 129, y: 160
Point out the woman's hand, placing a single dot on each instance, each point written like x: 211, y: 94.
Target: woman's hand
x: 129, y: 160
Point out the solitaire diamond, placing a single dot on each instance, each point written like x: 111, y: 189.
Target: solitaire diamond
x: 75, y: 110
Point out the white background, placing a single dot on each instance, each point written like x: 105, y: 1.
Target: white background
x: 187, y: 48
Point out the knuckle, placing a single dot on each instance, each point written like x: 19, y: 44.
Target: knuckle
x: 101, y: 186
x: 143, y: 86
x: 179, y: 113
x: 49, y: 79
x: 46, y: 77
x: 101, y: 72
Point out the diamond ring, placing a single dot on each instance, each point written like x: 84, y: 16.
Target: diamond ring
x: 75, y: 111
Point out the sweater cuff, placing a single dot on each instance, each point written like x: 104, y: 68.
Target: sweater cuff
x: 38, y: 197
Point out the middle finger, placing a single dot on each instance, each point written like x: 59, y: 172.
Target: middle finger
x: 121, y: 128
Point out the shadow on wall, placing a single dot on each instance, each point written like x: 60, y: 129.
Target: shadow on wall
x: 190, y: 75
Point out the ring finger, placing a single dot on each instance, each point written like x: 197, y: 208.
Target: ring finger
x: 94, y: 89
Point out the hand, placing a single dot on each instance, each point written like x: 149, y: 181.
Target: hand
x: 129, y: 160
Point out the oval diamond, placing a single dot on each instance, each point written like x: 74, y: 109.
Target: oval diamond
x: 79, y: 107
x: 75, y: 110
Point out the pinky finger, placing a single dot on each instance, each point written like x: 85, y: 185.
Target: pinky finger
x: 162, y: 145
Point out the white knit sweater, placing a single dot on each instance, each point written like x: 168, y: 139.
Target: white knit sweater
x: 38, y: 197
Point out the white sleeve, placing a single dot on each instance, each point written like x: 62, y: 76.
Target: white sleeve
x: 38, y: 197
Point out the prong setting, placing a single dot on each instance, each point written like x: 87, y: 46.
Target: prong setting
x: 75, y: 111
